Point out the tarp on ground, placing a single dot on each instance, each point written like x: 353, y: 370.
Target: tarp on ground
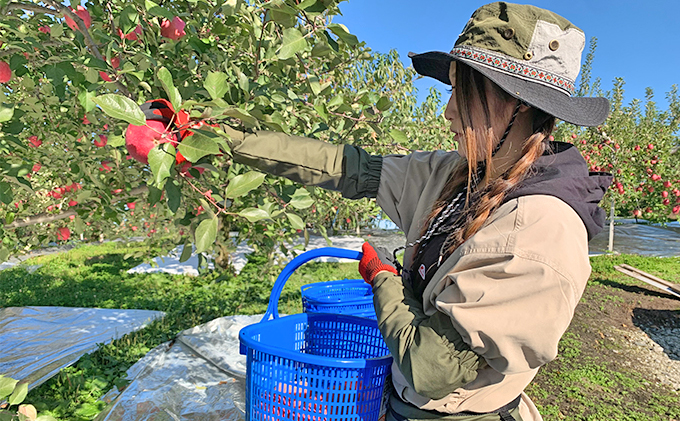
x: 37, y: 342
x: 171, y: 264
x: 199, y: 375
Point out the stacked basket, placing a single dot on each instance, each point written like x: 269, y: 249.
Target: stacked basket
x: 314, y: 366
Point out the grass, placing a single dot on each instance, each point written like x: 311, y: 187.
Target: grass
x: 579, y: 384
x: 95, y: 276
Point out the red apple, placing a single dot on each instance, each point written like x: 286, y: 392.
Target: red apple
x: 34, y: 141
x: 36, y: 167
x: 650, y: 146
x: 637, y: 213
x: 132, y: 36
x: 676, y: 210
x: 72, y: 202
x: 664, y: 194
x: 637, y: 147
x: 666, y: 202
x: 173, y: 29
x: 105, y: 76
x: 105, y: 166
x: 101, y: 142
x: 44, y: 29
x: 131, y: 205
x: 656, y: 177
x: 666, y: 184
x: 5, y: 72
x: 139, y: 140
x: 83, y: 14
x: 63, y: 233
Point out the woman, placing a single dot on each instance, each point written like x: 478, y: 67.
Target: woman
x: 497, y: 232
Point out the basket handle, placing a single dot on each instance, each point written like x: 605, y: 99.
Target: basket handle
x: 273, y: 307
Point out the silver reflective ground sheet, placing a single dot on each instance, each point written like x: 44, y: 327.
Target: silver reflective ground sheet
x: 37, y: 342
x: 198, y: 376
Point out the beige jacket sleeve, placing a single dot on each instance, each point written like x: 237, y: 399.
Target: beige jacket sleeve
x: 515, y: 284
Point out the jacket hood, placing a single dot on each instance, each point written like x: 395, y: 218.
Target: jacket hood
x: 563, y: 173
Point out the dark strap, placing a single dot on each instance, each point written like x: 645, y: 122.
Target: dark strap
x: 503, y: 412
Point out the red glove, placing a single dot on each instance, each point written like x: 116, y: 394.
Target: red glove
x: 374, y: 261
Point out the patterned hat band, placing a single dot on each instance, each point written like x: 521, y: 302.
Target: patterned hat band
x: 504, y: 64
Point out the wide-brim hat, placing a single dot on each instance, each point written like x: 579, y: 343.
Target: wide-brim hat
x: 531, y: 53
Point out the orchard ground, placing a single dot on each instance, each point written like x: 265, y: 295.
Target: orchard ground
x: 603, y: 372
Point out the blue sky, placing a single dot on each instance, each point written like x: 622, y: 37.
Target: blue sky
x: 637, y: 40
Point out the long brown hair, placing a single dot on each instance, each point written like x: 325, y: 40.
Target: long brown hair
x: 471, y: 85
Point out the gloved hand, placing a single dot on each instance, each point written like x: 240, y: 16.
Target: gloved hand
x: 375, y: 261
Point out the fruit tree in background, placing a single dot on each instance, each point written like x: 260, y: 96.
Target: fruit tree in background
x: 72, y: 82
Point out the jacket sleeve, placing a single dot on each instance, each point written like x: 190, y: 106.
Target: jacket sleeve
x: 427, y: 349
x: 409, y: 183
x: 344, y: 168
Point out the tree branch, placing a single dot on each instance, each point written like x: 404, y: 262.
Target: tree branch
x: 81, y: 26
x: 46, y: 217
x: 32, y: 7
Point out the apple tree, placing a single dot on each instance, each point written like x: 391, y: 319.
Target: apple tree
x: 78, y: 159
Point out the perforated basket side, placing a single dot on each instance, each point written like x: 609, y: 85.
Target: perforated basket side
x: 333, y: 367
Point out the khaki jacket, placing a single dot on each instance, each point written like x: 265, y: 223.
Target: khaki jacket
x: 510, y: 290
x: 497, y: 307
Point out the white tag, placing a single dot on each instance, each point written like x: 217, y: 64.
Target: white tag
x: 421, y: 271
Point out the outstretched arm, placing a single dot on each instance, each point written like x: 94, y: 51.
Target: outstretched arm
x: 344, y: 168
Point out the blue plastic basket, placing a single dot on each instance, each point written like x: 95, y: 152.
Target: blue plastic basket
x: 313, y: 366
x: 347, y: 296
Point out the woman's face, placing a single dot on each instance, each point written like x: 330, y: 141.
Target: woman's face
x: 499, y: 109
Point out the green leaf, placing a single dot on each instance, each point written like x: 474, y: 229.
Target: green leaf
x: 6, y: 386
x: 19, y: 394
x: 128, y: 19
x: 4, y: 255
x: 79, y: 226
x: 161, y: 160
x: 293, y: 43
x: 173, y: 93
x: 116, y: 141
x: 398, y: 136
x: 6, y: 112
x: 301, y: 199
x: 206, y: 234
x: 343, y: 33
x: 120, y: 107
x: 85, y: 99
x: 154, y: 194
x: 254, y: 214
x: 156, y: 10
x: 242, y: 115
x: 295, y: 221
x: 243, y: 82
x: 197, y: 146
x: 383, y: 104
x: 305, y: 4
x: 57, y: 30
x: 6, y: 195
x: 242, y: 184
x: 186, y: 252
x: 174, y: 196
x: 216, y: 84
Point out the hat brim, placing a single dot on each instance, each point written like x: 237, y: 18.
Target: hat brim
x: 581, y: 111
